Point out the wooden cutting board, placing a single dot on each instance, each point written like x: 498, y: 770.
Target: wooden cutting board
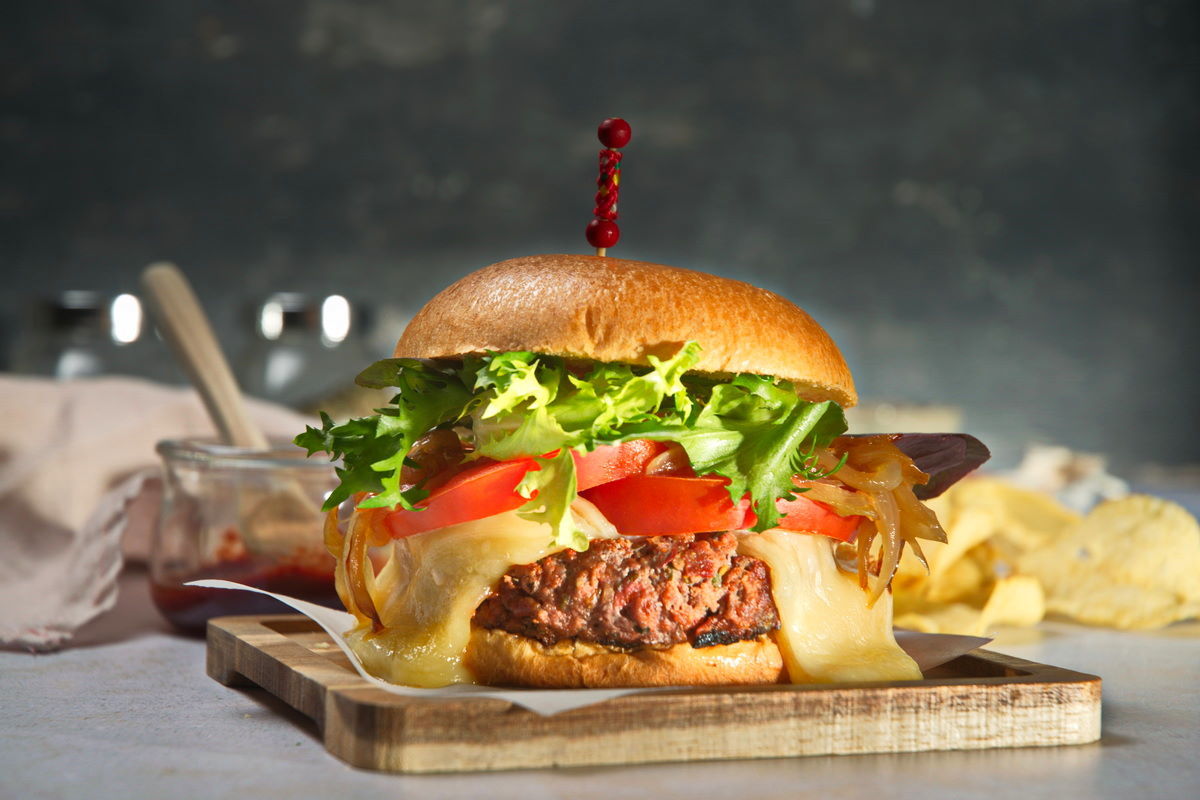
x: 977, y: 701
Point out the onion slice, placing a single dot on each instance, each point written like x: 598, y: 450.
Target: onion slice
x: 672, y: 461
x: 333, y: 534
x: 846, y: 502
x: 885, y: 477
x: 357, y: 563
x: 589, y: 519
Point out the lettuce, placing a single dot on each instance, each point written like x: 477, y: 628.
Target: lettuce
x: 758, y: 434
x: 550, y: 490
x: 372, y: 449
x: 751, y: 429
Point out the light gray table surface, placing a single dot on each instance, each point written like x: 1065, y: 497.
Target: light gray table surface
x: 130, y: 713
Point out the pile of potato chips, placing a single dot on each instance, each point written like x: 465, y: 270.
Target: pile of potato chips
x: 1014, y: 555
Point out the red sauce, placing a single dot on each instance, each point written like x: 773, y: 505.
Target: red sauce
x: 306, y: 576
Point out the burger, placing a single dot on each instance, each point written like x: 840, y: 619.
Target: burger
x: 596, y: 472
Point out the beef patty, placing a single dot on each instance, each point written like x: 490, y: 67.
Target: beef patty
x: 657, y: 591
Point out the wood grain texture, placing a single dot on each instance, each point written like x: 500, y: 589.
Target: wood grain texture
x: 978, y: 701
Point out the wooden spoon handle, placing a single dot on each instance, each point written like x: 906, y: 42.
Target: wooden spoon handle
x: 187, y: 330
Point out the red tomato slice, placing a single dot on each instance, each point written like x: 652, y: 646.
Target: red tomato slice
x: 809, y: 516
x: 474, y: 493
x: 611, y: 477
x: 489, y: 489
x: 664, y: 506
x: 610, y: 462
x: 652, y: 505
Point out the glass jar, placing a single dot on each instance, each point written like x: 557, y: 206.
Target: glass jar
x: 304, y: 349
x: 84, y: 334
x: 248, y: 516
x: 66, y: 337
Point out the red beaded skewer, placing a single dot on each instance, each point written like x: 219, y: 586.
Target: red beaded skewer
x: 602, y: 232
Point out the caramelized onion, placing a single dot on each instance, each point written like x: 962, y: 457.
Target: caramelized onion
x: 672, y: 461
x: 845, y: 502
x: 880, y: 476
x: 866, y: 534
x: 919, y: 517
x: 885, y: 477
x: 333, y: 534
x: 891, y: 543
x: 432, y: 457
x: 916, y: 548
x: 335, y: 543
x: 356, y: 564
x: 589, y: 519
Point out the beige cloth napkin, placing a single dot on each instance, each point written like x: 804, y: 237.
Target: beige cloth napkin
x: 78, y: 471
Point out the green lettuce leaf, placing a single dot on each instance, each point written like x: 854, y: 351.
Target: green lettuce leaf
x: 517, y: 380
x: 551, y: 490
x: 373, y: 449
x: 627, y: 397
x: 530, y: 434
x: 760, y: 445
x: 751, y: 429
x: 526, y: 413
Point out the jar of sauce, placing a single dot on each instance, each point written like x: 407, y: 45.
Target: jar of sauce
x: 249, y: 516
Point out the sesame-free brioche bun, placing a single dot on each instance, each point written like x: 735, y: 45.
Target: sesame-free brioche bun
x: 500, y: 658
x: 610, y: 309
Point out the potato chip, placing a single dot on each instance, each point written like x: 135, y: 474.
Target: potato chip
x: 964, y: 580
x: 1015, y: 600
x: 1013, y: 554
x: 957, y: 618
x: 1024, y: 519
x: 910, y: 567
x: 969, y: 587
x: 1131, y: 563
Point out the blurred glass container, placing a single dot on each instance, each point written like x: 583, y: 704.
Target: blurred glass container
x: 67, y: 337
x: 304, y: 349
x: 83, y: 334
x: 247, y: 516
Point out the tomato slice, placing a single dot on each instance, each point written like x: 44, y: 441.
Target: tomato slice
x: 654, y: 505
x: 647, y: 505
x: 474, y: 493
x: 610, y: 462
x: 611, y: 477
x: 809, y: 516
x: 489, y: 489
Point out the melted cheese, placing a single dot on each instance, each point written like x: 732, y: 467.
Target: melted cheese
x: 429, y: 590
x: 430, y: 587
x: 827, y: 633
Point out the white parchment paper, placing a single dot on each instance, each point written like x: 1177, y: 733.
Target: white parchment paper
x: 927, y: 649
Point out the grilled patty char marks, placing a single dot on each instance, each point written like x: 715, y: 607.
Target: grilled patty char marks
x: 656, y: 591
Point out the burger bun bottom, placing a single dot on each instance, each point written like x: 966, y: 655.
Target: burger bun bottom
x: 499, y: 658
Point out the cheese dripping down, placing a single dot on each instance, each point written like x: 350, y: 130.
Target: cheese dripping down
x: 428, y: 591
x: 827, y: 631
x: 429, y: 588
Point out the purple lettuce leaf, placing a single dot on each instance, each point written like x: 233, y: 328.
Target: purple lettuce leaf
x: 946, y: 457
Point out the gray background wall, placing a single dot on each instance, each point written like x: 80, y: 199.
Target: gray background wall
x: 993, y: 205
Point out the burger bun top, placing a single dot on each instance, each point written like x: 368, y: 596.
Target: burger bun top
x: 610, y: 309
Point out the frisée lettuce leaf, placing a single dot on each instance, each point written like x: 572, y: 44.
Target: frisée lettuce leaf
x: 372, y: 449
x: 757, y: 433
x: 751, y: 429
x: 550, y: 490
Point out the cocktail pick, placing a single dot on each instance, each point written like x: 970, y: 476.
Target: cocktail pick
x: 602, y: 232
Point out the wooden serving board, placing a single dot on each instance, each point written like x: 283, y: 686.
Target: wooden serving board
x: 977, y: 701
